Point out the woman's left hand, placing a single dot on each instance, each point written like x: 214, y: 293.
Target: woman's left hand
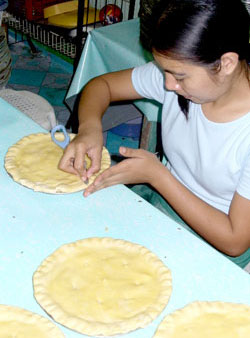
x: 140, y: 166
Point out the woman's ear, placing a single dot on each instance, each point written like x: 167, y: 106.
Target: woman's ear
x: 229, y: 62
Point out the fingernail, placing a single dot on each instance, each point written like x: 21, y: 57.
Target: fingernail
x: 86, y: 194
x: 85, y: 180
x: 122, y: 150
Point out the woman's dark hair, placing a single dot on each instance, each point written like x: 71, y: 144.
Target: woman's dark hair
x: 199, y: 31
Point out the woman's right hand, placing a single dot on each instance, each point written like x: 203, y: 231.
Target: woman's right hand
x: 89, y: 141
x: 95, y: 99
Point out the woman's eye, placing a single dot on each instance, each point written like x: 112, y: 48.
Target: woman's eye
x: 179, y: 80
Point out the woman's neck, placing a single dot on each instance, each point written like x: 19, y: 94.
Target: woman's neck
x: 235, y: 102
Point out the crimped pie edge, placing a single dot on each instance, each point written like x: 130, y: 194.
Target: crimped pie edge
x: 8, y: 312
x: 61, y: 188
x: 100, y: 329
x: 193, y: 309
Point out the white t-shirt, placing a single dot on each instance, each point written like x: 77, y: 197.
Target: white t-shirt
x: 211, y: 159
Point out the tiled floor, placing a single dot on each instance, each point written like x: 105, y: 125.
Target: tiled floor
x: 44, y: 74
x: 49, y: 75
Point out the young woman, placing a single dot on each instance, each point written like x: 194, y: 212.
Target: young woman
x: 201, y: 77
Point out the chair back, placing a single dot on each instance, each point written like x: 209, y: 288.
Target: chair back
x: 61, y: 8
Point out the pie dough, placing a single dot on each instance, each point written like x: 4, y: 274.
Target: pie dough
x: 33, y: 162
x: 19, y: 323
x: 102, y: 286
x: 206, y: 320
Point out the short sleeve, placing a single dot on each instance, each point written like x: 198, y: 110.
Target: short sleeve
x: 148, y: 81
x: 243, y: 187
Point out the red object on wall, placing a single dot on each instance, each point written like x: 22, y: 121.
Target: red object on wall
x: 30, y: 9
x: 110, y: 14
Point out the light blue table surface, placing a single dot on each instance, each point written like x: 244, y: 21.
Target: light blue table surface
x: 112, y: 48
x: 34, y: 224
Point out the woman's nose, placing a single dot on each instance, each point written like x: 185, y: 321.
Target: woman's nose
x: 171, y: 83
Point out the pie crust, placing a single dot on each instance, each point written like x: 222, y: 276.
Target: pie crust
x: 33, y: 162
x: 19, y: 323
x: 206, y: 320
x: 102, y: 286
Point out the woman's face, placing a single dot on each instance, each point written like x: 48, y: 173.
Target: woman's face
x: 193, y: 82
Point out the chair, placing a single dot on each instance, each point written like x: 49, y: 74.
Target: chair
x: 65, y: 14
x: 31, y: 104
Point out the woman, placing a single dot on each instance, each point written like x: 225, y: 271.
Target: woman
x: 201, y: 77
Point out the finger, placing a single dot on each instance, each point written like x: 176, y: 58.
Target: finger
x: 131, y: 152
x: 79, y: 162
x: 92, y: 188
x: 95, y: 166
x: 96, y: 187
x: 104, y: 180
x: 88, y: 190
x: 110, y: 173
x: 66, y: 164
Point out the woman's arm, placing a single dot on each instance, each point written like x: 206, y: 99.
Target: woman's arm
x: 228, y: 233
x: 95, y: 99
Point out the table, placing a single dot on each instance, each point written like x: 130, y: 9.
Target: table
x: 35, y: 224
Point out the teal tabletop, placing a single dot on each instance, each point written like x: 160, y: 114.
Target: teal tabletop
x: 112, y: 48
x: 35, y: 224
